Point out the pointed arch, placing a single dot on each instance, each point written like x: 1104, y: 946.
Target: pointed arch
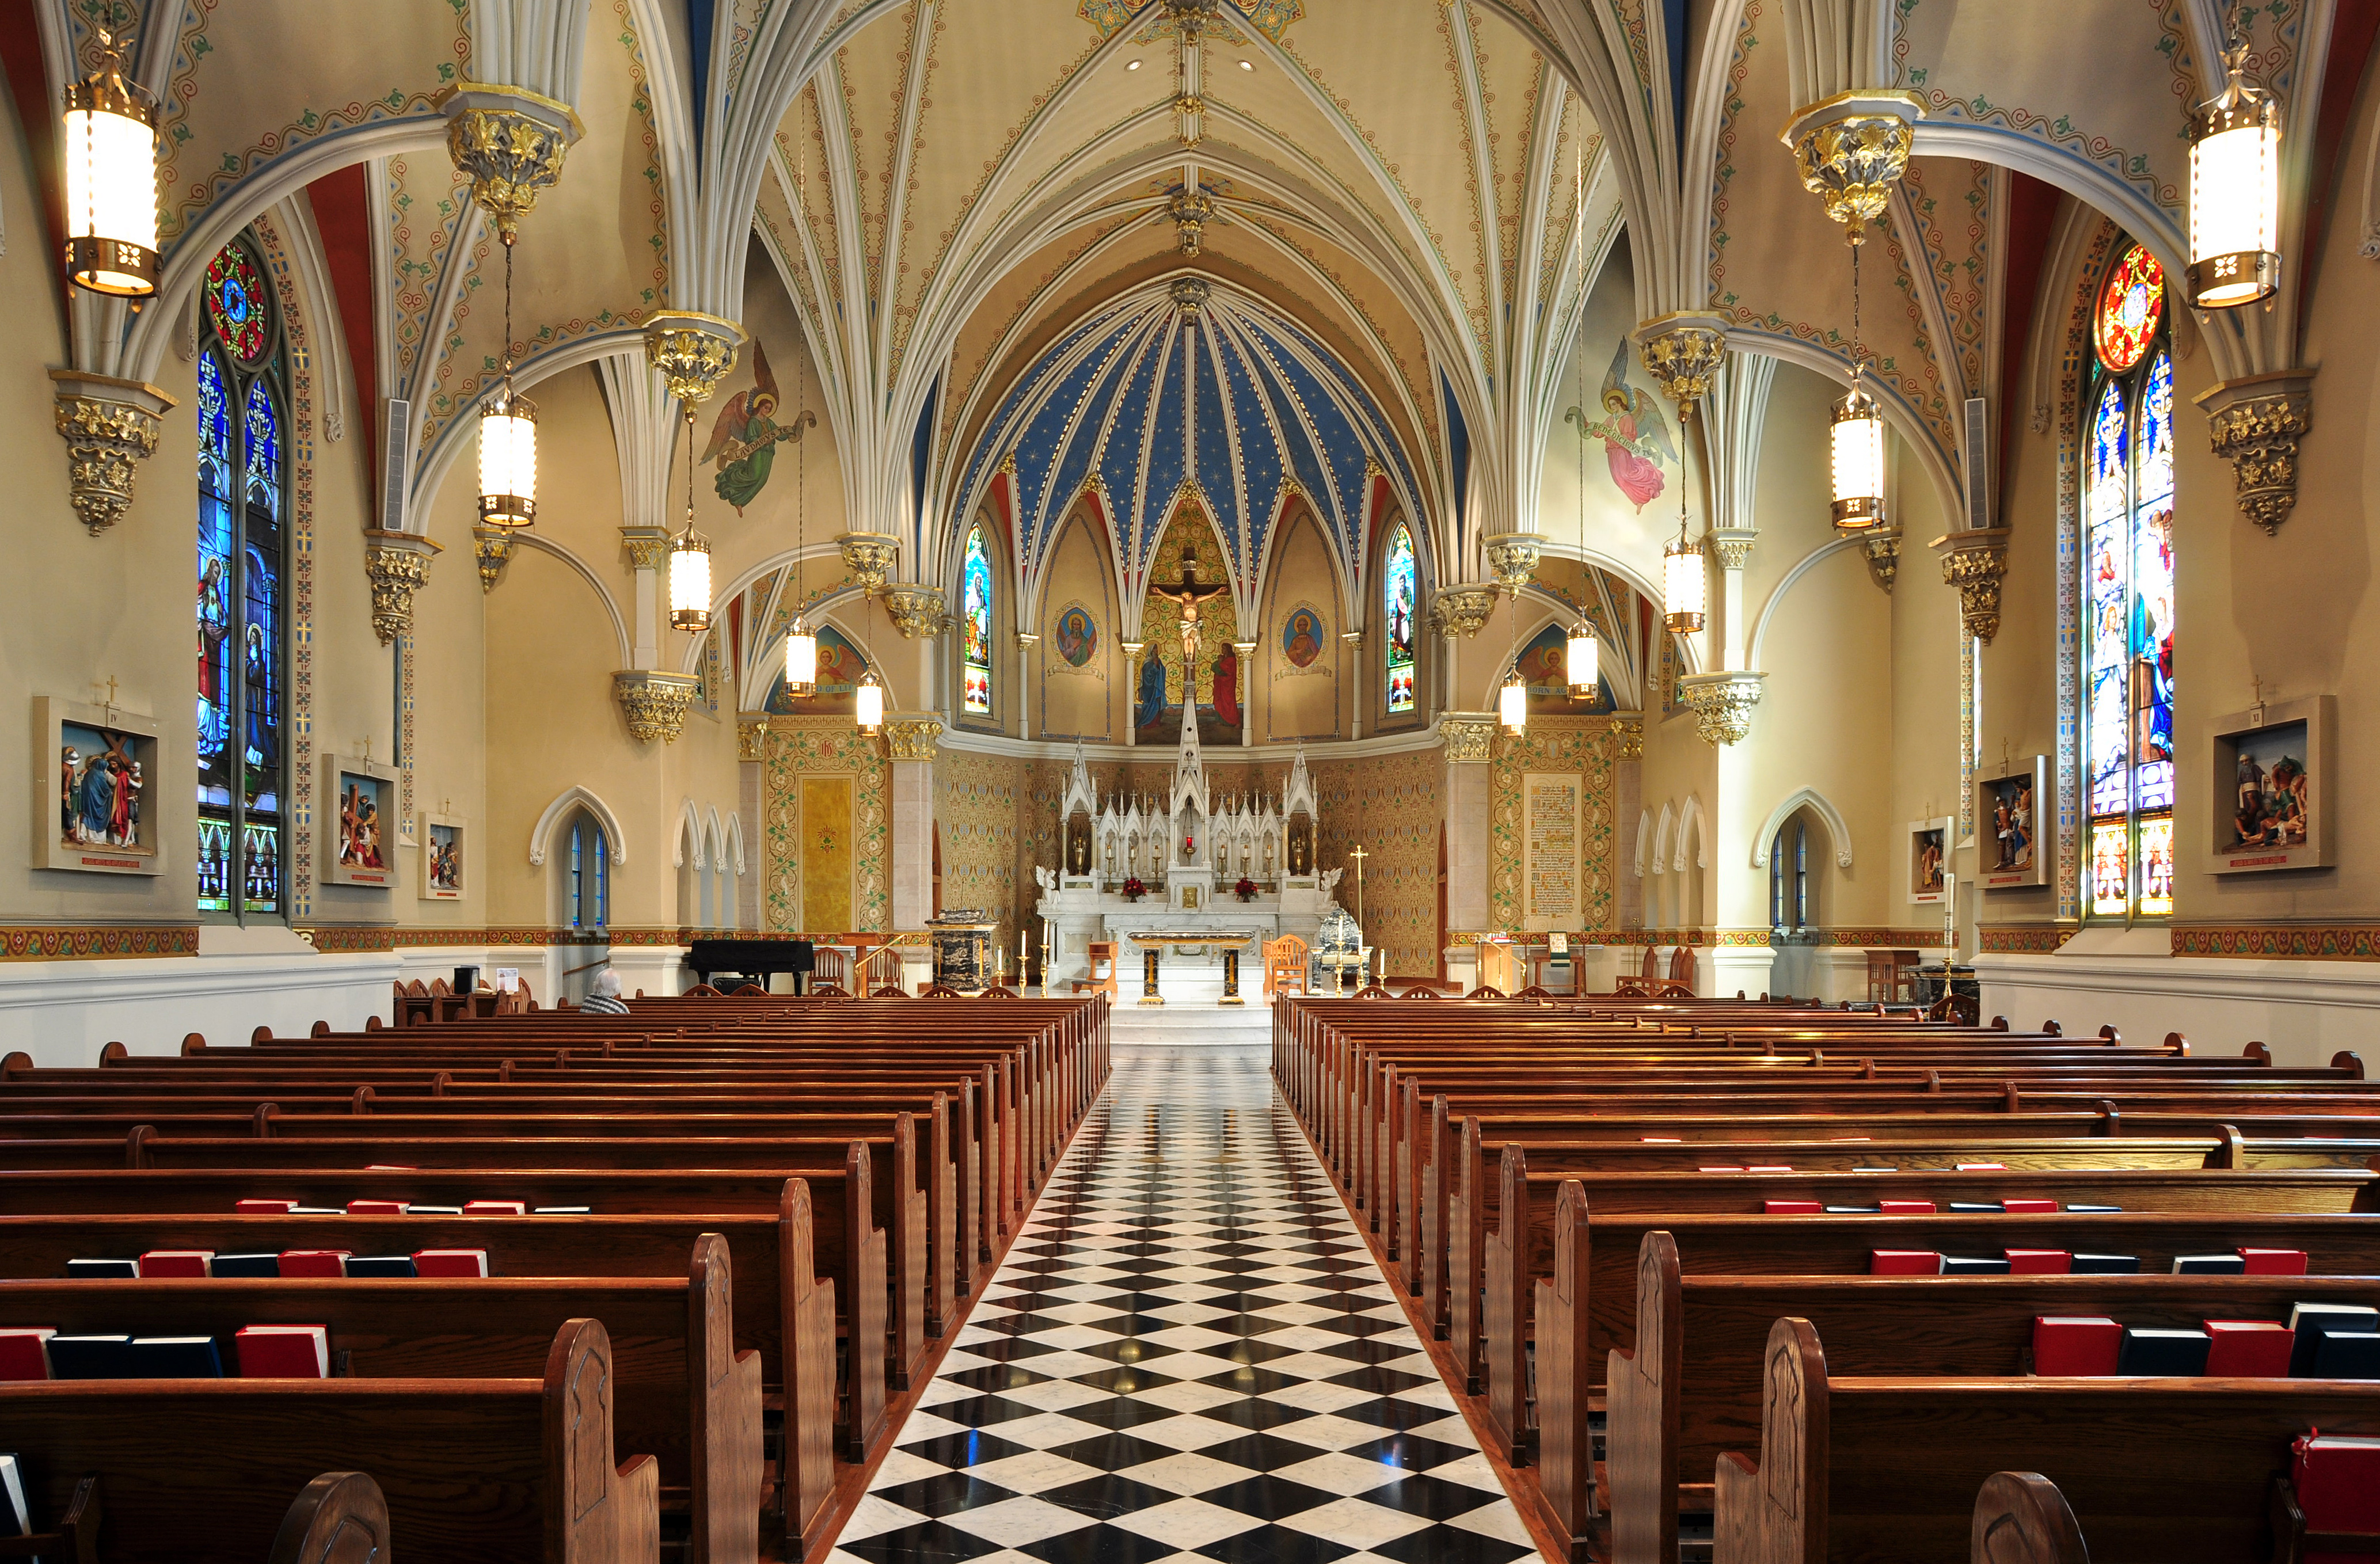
x: 540, y: 836
x: 1817, y: 803
x: 1691, y: 825
x: 1643, y: 839
x: 1661, y: 836
x: 688, y: 848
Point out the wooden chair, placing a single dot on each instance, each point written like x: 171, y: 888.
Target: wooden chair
x: 1682, y: 965
x: 831, y: 966
x: 1102, y: 980
x: 1284, y: 965
x: 1652, y: 967
x: 1890, y: 975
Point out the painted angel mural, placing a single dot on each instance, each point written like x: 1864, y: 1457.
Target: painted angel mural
x: 744, y: 440
x: 1635, y: 433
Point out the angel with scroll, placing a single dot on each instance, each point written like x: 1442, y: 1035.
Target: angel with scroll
x: 1635, y: 433
x: 744, y: 440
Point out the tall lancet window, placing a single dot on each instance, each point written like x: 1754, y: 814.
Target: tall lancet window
x: 977, y: 624
x: 2127, y: 596
x: 243, y: 648
x: 1399, y: 591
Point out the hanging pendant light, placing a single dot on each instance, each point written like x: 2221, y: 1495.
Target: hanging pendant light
x: 1512, y: 703
x: 508, y: 439
x: 801, y: 643
x: 1857, y: 428
x: 870, y: 701
x: 689, y: 558
x: 2235, y: 188
x: 1583, y: 660
x: 801, y: 659
x: 111, y: 167
x: 1686, y: 584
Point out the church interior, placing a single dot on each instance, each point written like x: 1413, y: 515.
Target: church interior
x: 855, y: 653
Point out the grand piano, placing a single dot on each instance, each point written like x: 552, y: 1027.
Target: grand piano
x: 755, y: 959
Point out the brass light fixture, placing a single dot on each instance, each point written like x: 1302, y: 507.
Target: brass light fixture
x: 1512, y: 703
x: 111, y: 169
x: 801, y: 642
x: 2235, y: 187
x: 1581, y: 659
x: 1857, y: 430
x: 509, y: 435
x: 689, y: 558
x: 1685, y: 581
x: 870, y: 702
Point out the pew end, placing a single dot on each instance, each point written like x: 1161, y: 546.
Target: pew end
x: 339, y: 1517
x: 595, y: 1512
x: 75, y: 1539
x: 2021, y: 1518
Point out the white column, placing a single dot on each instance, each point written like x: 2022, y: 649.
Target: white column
x: 1355, y: 643
x: 1247, y: 651
x: 648, y: 552
x: 1027, y: 666
x: 911, y: 738
x: 752, y: 789
x: 1132, y: 650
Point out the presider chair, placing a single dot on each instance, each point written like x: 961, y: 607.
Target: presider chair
x: 1284, y: 960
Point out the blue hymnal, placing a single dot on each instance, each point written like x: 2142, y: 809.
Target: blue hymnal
x: 2094, y: 1210
x: 2107, y: 1264
x: 1854, y: 1210
x: 2209, y: 1264
x: 2164, y: 1351
x: 176, y: 1357
x: 1979, y: 1264
x: 381, y: 1265
x: 247, y: 1266
x: 92, y: 1270
x: 2313, y: 1322
x: 92, y: 1357
x: 2347, y: 1354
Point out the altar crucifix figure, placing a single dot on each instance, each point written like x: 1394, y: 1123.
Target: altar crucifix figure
x: 1189, y: 595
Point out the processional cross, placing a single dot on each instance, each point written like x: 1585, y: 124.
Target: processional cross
x: 1356, y: 857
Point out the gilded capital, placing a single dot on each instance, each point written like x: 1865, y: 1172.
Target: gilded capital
x: 2255, y: 423
x: 397, y: 566
x: 752, y: 735
x: 692, y: 351
x: 655, y: 703
x: 870, y: 556
x: 1975, y: 560
x: 647, y: 548
x: 1882, y: 547
x: 1733, y: 545
x: 1469, y: 736
x: 917, y: 609
x: 1514, y: 557
x: 912, y: 735
x: 1462, y: 611
x: 493, y: 546
x: 1852, y: 148
x: 1722, y: 704
x: 110, y: 426
x: 1631, y: 737
x: 1681, y: 351
x: 509, y: 142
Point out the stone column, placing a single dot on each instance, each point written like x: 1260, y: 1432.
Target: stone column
x: 1733, y: 547
x: 1132, y: 650
x: 1247, y: 653
x: 1627, y: 811
x: 646, y: 549
x: 1355, y: 643
x: 1027, y: 643
x: 910, y: 738
x: 752, y: 796
x: 1469, y: 739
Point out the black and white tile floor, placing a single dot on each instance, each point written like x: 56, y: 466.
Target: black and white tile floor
x: 1188, y: 1357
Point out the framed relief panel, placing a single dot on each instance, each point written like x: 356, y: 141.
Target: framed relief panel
x: 2008, y: 825
x: 440, y: 840
x: 358, y: 831
x: 1929, y: 859
x: 92, y: 766
x: 2271, y: 771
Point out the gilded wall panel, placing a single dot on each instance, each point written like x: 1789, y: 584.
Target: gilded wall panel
x: 1587, y: 747
x: 825, y: 746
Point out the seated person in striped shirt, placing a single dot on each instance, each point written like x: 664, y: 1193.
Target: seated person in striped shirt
x: 603, y: 996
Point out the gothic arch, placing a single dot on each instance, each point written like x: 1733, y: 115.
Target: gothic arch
x: 1816, y: 803
x: 540, y: 836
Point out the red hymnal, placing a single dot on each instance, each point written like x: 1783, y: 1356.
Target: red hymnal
x: 520, y: 1207
x: 2029, y: 1206
x: 2275, y: 1262
x: 1904, y: 1262
x: 284, y: 1352
x: 177, y: 1262
x: 375, y: 1208
x: 1790, y: 1208
x: 2337, y: 1484
x: 313, y: 1262
x: 2039, y: 1261
x: 450, y: 1262
x: 2249, y: 1349
x: 266, y: 1207
x: 2073, y: 1344
x: 25, y: 1353
x: 1906, y: 1207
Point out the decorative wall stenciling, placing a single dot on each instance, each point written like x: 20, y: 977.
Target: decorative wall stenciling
x: 799, y: 747
x: 1394, y: 806
x: 1586, y: 747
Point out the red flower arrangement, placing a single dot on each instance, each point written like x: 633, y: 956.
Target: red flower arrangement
x: 1133, y: 889
x: 1245, y: 889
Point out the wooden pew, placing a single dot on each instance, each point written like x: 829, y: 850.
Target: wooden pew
x: 682, y: 1393
x: 338, y: 1518
x: 1868, y: 1469
x: 474, y: 1470
x: 2021, y: 1518
x: 1690, y: 1386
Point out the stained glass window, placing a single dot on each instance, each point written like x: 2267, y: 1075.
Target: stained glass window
x: 1399, y: 589
x: 2128, y: 598
x: 976, y: 620
x: 242, y: 632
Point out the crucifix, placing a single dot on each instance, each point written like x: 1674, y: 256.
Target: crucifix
x: 2004, y: 755
x: 1356, y: 857
x: 110, y: 701
x: 2255, y: 709
x: 1187, y: 596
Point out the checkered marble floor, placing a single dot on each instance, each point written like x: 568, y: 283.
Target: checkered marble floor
x: 1188, y: 1357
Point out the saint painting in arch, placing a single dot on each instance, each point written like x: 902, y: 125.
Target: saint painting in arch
x: 1301, y: 637
x: 1078, y: 636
